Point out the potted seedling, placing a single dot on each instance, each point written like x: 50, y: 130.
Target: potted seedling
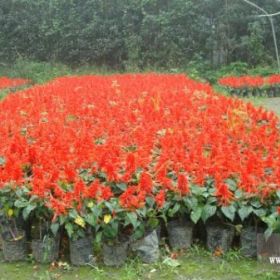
x: 12, y: 226
x: 177, y: 213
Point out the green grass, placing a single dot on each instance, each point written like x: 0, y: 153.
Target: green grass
x: 41, y: 72
x: 195, y: 264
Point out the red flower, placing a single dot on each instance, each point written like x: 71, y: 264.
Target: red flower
x: 160, y: 199
x: 183, y: 185
x: 132, y: 198
x: 106, y: 193
x: 224, y: 194
x: 93, y: 190
x: 146, y: 182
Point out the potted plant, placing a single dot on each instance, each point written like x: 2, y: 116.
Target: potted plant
x: 44, y: 233
x: 129, y: 218
x: 177, y: 213
x: 269, y: 242
x: 217, y: 210
x: 11, y: 224
x: 250, y: 212
x: 145, y: 242
x: 80, y: 237
x: 114, y: 232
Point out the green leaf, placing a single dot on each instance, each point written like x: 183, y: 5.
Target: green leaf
x: 244, y: 212
x: 259, y: 212
x: 62, y: 220
x: 238, y: 194
x: 54, y: 228
x: 150, y: 201
x: 208, y: 211
x: 139, y: 232
x: 5, y: 190
x: 171, y: 262
x: 2, y: 160
x: 132, y: 218
x: 21, y: 203
x: 256, y: 204
x: 69, y: 229
x: 91, y: 219
x: 196, y: 214
x: 73, y: 214
x: 197, y: 190
x: 153, y: 222
x: 231, y: 184
x: 26, y: 211
x: 268, y: 233
x: 229, y: 212
x: 211, y: 200
x: 98, y: 237
x: 278, y: 193
x: 121, y: 186
x: 190, y: 202
x: 111, y: 230
x: 174, y: 210
x: 109, y: 206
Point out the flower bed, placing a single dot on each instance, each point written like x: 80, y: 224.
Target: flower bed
x: 114, y: 158
x: 246, y: 86
x: 6, y: 82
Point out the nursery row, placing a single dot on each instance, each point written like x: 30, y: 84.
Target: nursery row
x: 246, y: 86
x: 117, y: 154
x: 255, y: 92
x: 250, y: 81
x: 6, y: 82
x: 47, y: 246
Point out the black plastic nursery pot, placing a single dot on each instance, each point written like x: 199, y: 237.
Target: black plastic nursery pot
x: 277, y: 91
x: 115, y: 254
x: 81, y: 251
x: 219, y: 237
x: 248, y: 241
x: 180, y: 233
x: 147, y: 248
x: 268, y: 250
x: 46, y: 250
x: 15, y: 248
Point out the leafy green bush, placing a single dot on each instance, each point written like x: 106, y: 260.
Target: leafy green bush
x: 135, y: 35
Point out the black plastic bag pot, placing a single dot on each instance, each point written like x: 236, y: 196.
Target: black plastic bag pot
x: 147, y: 248
x: 15, y: 249
x: 180, y: 234
x: 115, y: 254
x: 233, y: 92
x: 219, y: 237
x: 277, y: 91
x: 81, y: 251
x: 270, y: 92
x: 46, y: 250
x: 268, y: 249
x: 248, y: 241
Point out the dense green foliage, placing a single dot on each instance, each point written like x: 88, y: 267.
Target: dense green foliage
x: 136, y: 34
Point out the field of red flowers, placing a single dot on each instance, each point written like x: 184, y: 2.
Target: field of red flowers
x: 141, y: 141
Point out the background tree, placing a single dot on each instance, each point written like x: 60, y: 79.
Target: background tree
x: 137, y: 34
